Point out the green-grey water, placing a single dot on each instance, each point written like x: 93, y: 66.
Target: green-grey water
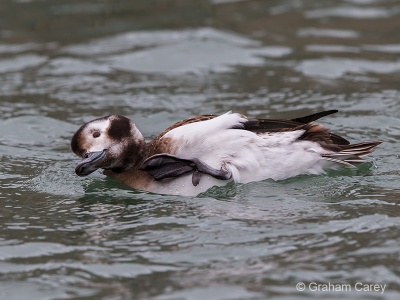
x: 63, y: 63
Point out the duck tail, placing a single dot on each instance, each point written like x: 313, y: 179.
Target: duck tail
x: 352, y: 155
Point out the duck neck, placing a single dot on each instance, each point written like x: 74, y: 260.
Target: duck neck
x: 133, y: 155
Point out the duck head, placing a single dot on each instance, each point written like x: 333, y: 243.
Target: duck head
x: 111, y: 142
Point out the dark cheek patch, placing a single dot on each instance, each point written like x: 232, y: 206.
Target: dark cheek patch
x: 120, y: 128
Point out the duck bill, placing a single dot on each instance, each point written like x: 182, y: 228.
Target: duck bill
x: 90, y: 163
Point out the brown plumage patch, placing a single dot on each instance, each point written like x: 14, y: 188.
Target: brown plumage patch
x: 133, y: 177
x: 187, y: 121
x: 160, y: 145
x: 316, y: 133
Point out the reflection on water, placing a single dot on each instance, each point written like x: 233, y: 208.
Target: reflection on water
x: 63, y: 63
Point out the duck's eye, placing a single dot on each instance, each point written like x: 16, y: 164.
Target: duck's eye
x: 96, y: 134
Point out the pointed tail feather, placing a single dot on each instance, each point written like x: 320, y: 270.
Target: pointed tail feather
x: 364, y: 146
x: 351, y: 155
x: 340, y: 162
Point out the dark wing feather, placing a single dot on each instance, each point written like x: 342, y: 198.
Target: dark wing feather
x: 167, y: 166
x: 277, y: 125
x: 315, y: 117
x: 163, y: 166
x: 313, y: 132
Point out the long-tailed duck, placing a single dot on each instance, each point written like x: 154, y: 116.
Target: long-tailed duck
x: 195, y: 154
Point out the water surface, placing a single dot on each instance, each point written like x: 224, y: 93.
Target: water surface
x: 63, y: 63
